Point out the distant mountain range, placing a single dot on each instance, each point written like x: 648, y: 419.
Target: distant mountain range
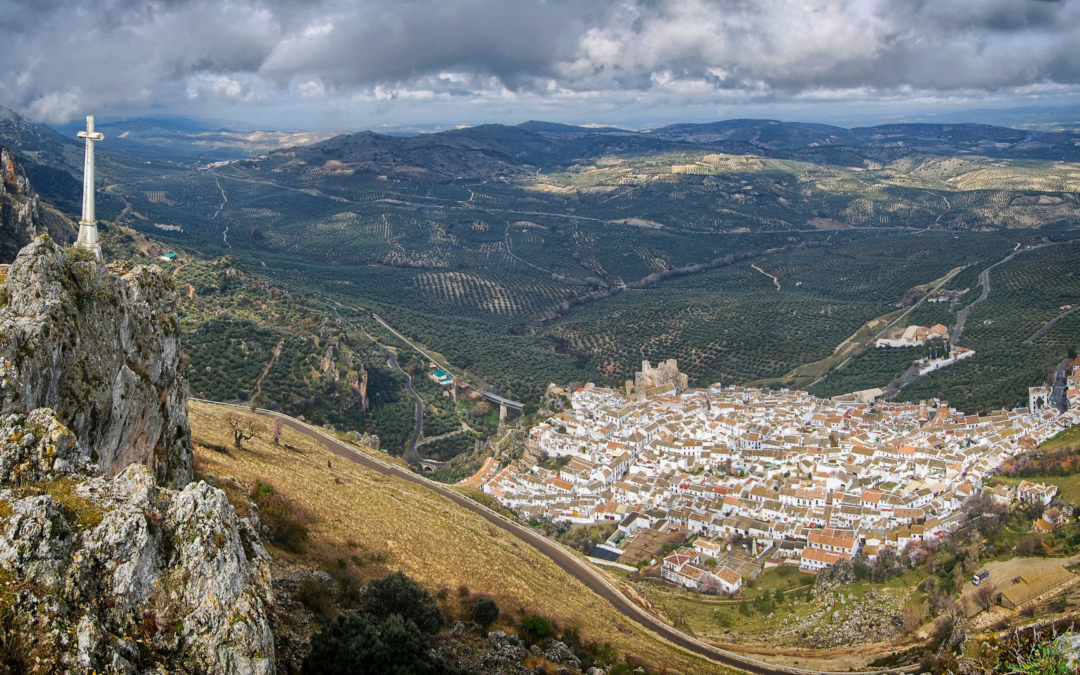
x: 193, y: 139
x: 495, y: 150
x: 145, y: 145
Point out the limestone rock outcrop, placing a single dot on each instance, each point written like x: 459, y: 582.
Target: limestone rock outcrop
x: 111, y: 559
x: 118, y: 575
x: 22, y: 214
x: 100, y: 345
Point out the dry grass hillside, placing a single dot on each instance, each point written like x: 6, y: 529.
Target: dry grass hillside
x: 374, y: 523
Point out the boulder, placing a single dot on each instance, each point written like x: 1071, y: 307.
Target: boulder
x: 559, y: 653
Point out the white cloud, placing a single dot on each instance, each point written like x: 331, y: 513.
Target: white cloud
x: 58, y: 107
x: 311, y: 89
x: 542, y: 55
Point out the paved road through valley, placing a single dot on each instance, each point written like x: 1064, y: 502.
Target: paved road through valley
x: 1049, y: 325
x: 1061, y: 401
x: 411, y: 456
x: 984, y: 279
x: 565, y: 560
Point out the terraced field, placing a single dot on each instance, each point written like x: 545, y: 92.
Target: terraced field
x: 462, y: 280
x: 732, y: 324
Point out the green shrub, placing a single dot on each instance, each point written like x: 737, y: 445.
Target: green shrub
x: 359, y: 644
x: 79, y: 254
x: 535, y: 628
x: 315, y: 597
x: 398, y: 594
x: 486, y: 612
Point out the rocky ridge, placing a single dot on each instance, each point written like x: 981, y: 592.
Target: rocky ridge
x: 22, y: 214
x: 99, y: 345
x: 111, y: 559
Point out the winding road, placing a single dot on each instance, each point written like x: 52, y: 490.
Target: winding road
x: 565, y: 560
x: 1049, y: 324
x: 984, y: 279
x: 411, y: 456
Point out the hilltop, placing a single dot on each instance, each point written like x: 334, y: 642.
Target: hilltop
x: 494, y: 150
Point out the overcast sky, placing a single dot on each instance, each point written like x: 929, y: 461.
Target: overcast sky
x: 358, y: 63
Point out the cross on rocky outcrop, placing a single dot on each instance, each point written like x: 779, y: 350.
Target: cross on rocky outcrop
x: 88, y: 234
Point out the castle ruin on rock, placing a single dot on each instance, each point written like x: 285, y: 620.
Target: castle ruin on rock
x: 664, y: 374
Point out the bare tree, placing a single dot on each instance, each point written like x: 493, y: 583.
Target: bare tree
x: 986, y: 594
x: 711, y: 585
x: 914, y: 614
x: 275, y: 430
x: 1029, y: 545
x: 243, y: 427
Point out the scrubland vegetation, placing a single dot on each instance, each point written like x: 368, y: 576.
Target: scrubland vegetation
x: 394, y: 525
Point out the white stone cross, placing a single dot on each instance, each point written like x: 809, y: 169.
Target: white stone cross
x: 88, y: 234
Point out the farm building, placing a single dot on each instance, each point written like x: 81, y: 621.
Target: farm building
x: 1030, y: 586
x: 441, y: 376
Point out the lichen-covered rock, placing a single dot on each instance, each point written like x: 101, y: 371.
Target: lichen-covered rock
x: 37, y: 447
x: 100, y: 345
x: 121, y: 575
x: 503, y: 654
x: 111, y: 559
x: 559, y: 653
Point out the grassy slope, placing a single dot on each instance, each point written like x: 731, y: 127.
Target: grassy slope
x: 699, y: 615
x: 424, y: 535
x: 1069, y: 486
x: 1068, y: 439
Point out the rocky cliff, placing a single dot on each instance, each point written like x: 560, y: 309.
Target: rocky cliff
x: 117, y: 575
x: 100, y: 345
x: 111, y: 559
x: 22, y: 214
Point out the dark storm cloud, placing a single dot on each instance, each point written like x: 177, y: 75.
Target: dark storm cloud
x: 63, y: 57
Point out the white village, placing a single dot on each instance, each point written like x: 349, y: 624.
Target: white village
x: 764, y: 477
